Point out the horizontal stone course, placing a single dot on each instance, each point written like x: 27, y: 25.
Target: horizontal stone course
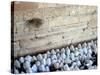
x: 61, y: 26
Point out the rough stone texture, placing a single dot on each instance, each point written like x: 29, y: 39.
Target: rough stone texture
x: 62, y: 25
x: 16, y: 46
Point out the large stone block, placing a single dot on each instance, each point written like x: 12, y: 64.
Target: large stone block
x: 35, y: 13
x: 53, y: 42
x: 86, y: 18
x: 92, y: 23
x: 50, y: 38
x: 16, y: 46
x: 61, y: 29
x: 82, y: 10
x: 56, y: 11
x: 63, y: 20
x: 18, y: 16
x: 19, y: 27
x: 49, y: 31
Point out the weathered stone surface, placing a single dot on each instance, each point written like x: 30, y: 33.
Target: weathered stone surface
x: 30, y: 5
x: 63, y: 20
x: 16, y: 46
x: 15, y: 29
x: 92, y: 9
x: 55, y: 30
x: 53, y: 45
x: 54, y: 12
x: 29, y: 14
x: 23, y: 36
x: 92, y: 23
x: 43, y: 40
x: 20, y: 27
x: 18, y: 16
x: 82, y: 10
x: 61, y: 26
x: 86, y: 18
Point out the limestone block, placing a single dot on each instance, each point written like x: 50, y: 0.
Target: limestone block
x: 45, y: 12
x: 55, y: 43
x: 20, y: 27
x: 16, y: 46
x: 56, y: 11
x: 93, y: 22
x: 24, y: 43
x: 50, y: 39
x: 35, y: 13
x: 91, y: 9
x: 82, y: 10
x: 87, y: 9
x: 85, y: 18
x: 44, y: 32
x: 15, y: 29
x: 26, y: 35
x: 61, y: 29
x: 74, y: 10
x: 18, y: 16
x: 63, y: 20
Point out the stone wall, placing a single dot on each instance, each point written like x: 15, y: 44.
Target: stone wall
x: 40, y: 29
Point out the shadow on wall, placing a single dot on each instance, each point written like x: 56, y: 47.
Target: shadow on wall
x: 37, y: 22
